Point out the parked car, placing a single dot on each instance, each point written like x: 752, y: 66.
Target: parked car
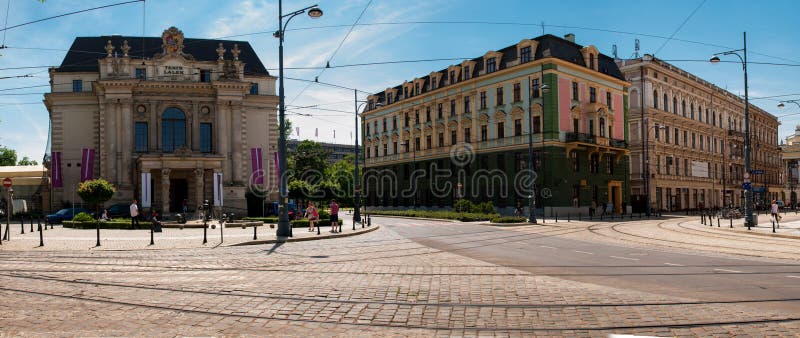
x: 119, y: 210
x: 64, y: 215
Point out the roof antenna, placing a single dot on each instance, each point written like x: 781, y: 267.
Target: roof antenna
x: 636, y: 49
x: 542, y: 27
x: 614, y: 51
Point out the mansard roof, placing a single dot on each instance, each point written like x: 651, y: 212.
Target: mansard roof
x: 85, y: 51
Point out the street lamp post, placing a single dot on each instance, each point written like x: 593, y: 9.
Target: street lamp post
x: 748, y: 199
x: 284, y: 228
x: 356, y: 190
x: 532, y: 196
x: 647, y: 164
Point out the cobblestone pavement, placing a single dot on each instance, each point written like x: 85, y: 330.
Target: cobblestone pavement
x: 375, y: 284
x: 61, y: 239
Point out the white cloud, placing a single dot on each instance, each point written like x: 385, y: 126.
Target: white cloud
x: 248, y: 16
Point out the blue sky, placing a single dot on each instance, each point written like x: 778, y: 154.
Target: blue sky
x: 419, y: 30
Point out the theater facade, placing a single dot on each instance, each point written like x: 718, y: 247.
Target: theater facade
x: 168, y: 120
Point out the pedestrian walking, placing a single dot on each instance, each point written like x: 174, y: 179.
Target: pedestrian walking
x: 775, y: 212
x: 593, y: 207
x: 335, y: 217
x: 312, y: 215
x: 134, y: 214
x: 518, y: 210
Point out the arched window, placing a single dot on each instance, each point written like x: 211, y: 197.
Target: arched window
x: 173, y: 130
x: 655, y: 99
x: 591, y: 60
x: 602, y: 127
x: 666, y: 103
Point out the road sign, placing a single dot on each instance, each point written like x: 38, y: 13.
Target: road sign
x: 7, y: 182
x: 757, y: 172
x: 746, y: 185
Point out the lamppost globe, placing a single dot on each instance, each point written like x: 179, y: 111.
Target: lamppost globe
x: 315, y: 13
x: 781, y: 105
x: 714, y: 59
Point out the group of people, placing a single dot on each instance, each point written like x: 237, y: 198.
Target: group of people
x: 313, y: 217
x: 605, y: 207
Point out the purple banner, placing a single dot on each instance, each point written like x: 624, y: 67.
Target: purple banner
x: 258, y: 168
x: 277, y: 166
x: 55, y: 170
x: 87, y: 164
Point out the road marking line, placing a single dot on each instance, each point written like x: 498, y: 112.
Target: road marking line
x: 725, y: 270
x: 628, y: 258
x: 673, y: 264
x: 584, y: 252
x: 548, y: 247
x: 790, y: 276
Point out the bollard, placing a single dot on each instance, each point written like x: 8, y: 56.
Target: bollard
x: 22, y: 224
x: 773, y: 226
x: 152, y: 242
x: 51, y: 226
x: 318, y: 224
x: 579, y: 216
x: 556, y: 217
x: 717, y: 222
x: 354, y: 224
x: 255, y: 229
x: 205, y: 231
x: 41, y: 235
x: 31, y: 224
x: 568, y: 220
x: 731, y: 222
x: 369, y: 220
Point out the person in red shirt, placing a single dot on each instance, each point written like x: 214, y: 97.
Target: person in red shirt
x: 335, y: 217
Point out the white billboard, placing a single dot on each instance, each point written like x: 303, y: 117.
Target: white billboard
x: 699, y: 169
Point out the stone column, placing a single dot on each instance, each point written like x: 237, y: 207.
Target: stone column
x: 199, y: 182
x: 126, y: 146
x: 236, y: 143
x: 111, y: 137
x: 165, y: 190
x: 223, y: 130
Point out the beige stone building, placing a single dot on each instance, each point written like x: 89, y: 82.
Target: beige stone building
x: 695, y: 140
x: 176, y: 111
x: 790, y: 156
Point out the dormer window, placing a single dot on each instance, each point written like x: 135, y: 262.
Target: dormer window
x: 591, y: 61
x: 525, y: 55
x: 141, y: 74
x: 433, y: 82
x: 491, y: 65
x: 405, y: 91
x: 416, y: 88
x: 466, y: 72
x: 452, y: 77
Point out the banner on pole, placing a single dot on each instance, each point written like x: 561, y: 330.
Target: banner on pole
x: 218, y: 189
x: 55, y: 166
x: 257, y: 166
x: 147, y: 190
x: 87, y: 164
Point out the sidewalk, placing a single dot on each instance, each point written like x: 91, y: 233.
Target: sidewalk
x: 68, y: 239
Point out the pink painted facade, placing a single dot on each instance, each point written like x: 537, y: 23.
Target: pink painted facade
x: 564, y: 89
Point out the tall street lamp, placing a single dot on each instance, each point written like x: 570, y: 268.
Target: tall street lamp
x: 647, y: 164
x: 781, y: 104
x: 284, y: 228
x: 748, y: 194
x: 356, y: 190
x: 532, y: 196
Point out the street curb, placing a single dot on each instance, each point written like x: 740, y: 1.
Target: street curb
x: 303, y: 239
x: 427, y: 219
x: 766, y: 234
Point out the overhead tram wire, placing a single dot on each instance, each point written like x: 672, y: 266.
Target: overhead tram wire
x: 70, y: 13
x: 335, y: 51
x: 679, y: 27
x: 5, y: 26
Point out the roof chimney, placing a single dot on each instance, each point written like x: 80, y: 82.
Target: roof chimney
x: 570, y: 37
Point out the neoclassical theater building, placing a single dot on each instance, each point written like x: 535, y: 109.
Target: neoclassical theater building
x: 166, y: 120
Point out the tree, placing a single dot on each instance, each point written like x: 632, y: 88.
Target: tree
x: 287, y: 127
x: 8, y: 156
x: 26, y: 161
x: 96, y: 192
x: 309, y: 161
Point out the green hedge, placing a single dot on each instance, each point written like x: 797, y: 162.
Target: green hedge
x: 509, y: 219
x: 105, y: 225
x: 303, y: 223
x: 266, y: 220
x: 461, y: 216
